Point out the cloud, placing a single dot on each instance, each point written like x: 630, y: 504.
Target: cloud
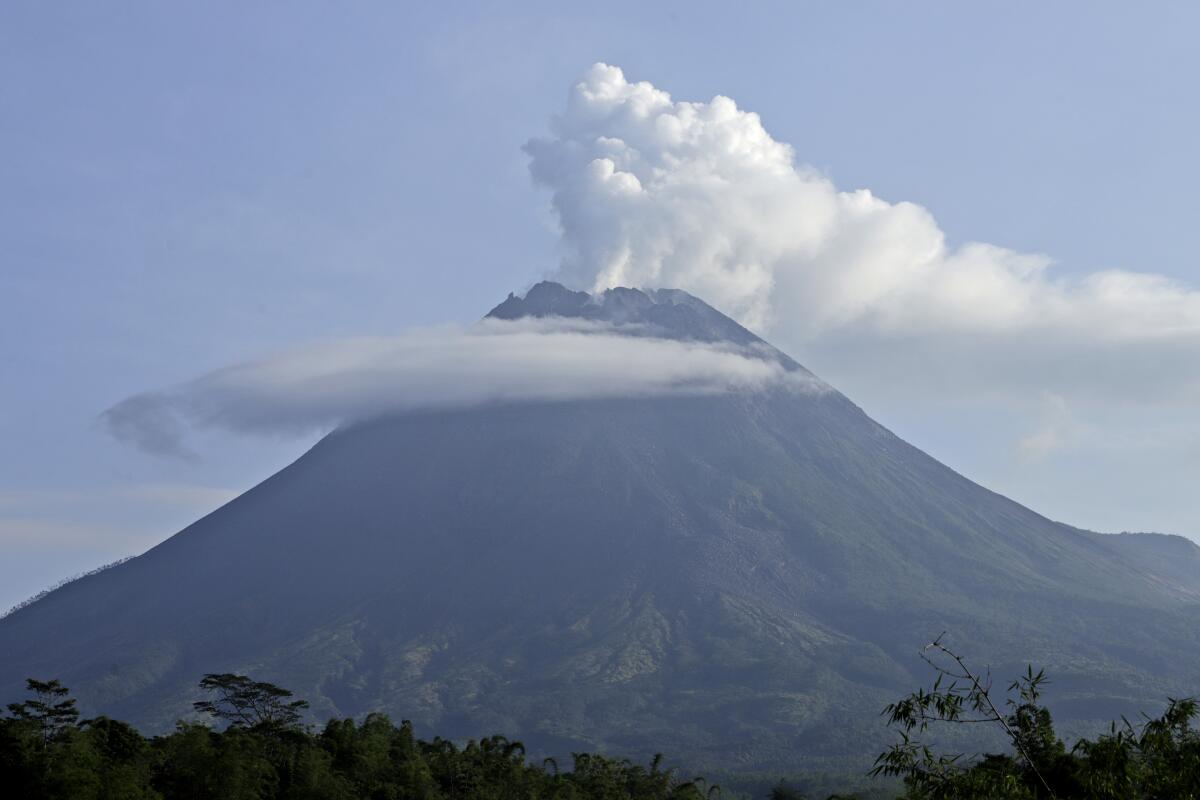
x: 325, y: 385
x: 654, y: 192
x: 1053, y: 432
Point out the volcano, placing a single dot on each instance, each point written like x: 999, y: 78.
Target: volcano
x: 739, y: 580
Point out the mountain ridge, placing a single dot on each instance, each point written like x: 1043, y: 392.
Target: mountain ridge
x: 718, y: 577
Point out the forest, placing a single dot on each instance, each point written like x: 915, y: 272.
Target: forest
x: 256, y: 745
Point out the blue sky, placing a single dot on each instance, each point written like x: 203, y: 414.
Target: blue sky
x: 189, y: 187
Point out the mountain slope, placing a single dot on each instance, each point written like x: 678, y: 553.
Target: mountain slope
x: 740, y: 580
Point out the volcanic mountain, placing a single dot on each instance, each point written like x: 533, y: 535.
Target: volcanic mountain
x: 739, y: 579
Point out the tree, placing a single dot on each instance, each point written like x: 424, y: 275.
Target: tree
x: 51, y: 710
x: 245, y: 703
x: 967, y: 698
x: 1157, y: 760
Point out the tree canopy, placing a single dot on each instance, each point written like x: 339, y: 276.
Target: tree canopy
x: 245, y: 703
x: 262, y: 750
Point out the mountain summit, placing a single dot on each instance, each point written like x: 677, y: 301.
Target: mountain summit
x: 661, y: 313
x: 739, y: 580
x: 669, y: 313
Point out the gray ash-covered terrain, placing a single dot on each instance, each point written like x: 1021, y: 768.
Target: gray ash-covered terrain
x: 738, y: 580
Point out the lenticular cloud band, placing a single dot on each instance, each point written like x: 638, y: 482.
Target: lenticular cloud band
x: 494, y: 361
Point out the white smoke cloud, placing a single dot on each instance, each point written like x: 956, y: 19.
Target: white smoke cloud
x: 654, y: 192
x: 320, y: 387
